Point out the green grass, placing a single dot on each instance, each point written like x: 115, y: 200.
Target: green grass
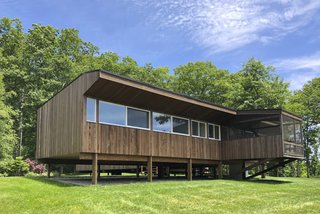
x: 285, y: 195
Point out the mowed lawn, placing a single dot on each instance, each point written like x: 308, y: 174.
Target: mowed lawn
x: 279, y: 195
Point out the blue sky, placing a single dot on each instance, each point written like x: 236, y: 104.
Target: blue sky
x: 282, y: 33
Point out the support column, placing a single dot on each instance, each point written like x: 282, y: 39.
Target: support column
x: 263, y: 175
x: 189, y: 169
x: 220, y: 170
x: 94, y: 169
x: 60, y: 170
x: 99, y: 171
x: 138, y: 171
x: 150, y: 168
x: 49, y: 170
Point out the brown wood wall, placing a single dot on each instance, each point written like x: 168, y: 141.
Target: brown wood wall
x: 60, y: 120
x: 131, y: 141
x: 253, y: 148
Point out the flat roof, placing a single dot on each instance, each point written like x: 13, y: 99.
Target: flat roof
x: 165, y: 92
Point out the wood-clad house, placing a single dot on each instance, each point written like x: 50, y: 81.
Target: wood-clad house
x: 102, y: 118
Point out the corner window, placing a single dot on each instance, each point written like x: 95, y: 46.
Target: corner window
x: 112, y: 113
x: 138, y: 118
x: 161, y: 122
x: 180, y: 125
x: 198, y: 129
x: 91, y: 110
x: 214, y: 131
x: 291, y: 130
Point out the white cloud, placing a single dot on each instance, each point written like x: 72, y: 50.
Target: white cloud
x: 311, y: 62
x: 224, y: 25
x: 299, y: 70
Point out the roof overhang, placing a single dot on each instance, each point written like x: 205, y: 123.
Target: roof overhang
x: 118, y: 89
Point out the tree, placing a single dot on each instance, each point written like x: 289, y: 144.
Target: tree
x: 7, y: 136
x: 306, y: 102
x: 38, y: 64
x: 201, y: 80
x: 257, y: 86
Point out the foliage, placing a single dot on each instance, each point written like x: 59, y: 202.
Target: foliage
x: 16, y: 167
x: 257, y: 87
x: 7, y: 136
x: 35, y: 167
x: 202, y: 80
x: 306, y: 102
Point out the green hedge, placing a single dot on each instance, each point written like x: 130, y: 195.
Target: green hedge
x: 17, y: 167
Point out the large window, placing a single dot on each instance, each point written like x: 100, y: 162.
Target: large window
x: 161, y: 122
x: 214, y: 131
x: 112, y: 113
x: 291, y: 130
x: 91, y: 110
x: 180, y: 125
x: 115, y: 114
x: 198, y: 129
x: 138, y: 118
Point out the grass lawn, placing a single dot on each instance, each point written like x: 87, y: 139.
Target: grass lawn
x: 280, y: 195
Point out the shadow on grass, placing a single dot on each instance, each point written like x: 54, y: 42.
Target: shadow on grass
x: 51, y: 182
x: 268, y: 181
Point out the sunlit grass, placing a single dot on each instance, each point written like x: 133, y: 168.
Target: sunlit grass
x: 285, y: 195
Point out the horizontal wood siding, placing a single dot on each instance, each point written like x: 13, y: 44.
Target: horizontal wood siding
x: 60, y: 120
x: 130, y: 141
x: 253, y: 148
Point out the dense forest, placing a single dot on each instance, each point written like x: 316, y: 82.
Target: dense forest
x: 38, y: 62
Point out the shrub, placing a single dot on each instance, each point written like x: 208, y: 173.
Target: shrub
x: 35, y: 167
x: 16, y: 167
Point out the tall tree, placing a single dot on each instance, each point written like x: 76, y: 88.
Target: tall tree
x: 257, y: 86
x: 40, y: 62
x: 201, y: 80
x: 7, y: 137
x: 306, y: 102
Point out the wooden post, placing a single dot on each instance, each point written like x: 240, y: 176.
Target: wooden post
x: 99, y: 171
x: 60, y: 170
x: 138, y: 171
x: 150, y: 168
x: 220, y: 170
x: 243, y: 170
x: 189, y: 169
x: 263, y: 175
x: 49, y: 170
x: 94, y: 168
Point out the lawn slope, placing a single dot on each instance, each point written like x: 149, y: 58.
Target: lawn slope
x: 285, y: 195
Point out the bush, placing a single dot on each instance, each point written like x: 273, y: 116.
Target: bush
x: 16, y: 167
x: 35, y: 167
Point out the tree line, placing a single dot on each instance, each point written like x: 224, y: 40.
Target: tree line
x: 37, y: 62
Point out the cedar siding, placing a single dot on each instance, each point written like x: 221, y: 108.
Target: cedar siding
x: 65, y: 136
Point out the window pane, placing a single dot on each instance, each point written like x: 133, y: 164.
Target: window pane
x: 161, y: 122
x: 91, y: 110
x: 138, y: 118
x: 211, y: 131
x: 217, y: 132
x: 180, y: 125
x: 195, y: 130
x: 202, y: 127
x: 112, y: 113
x: 298, y: 133
x: 288, y: 129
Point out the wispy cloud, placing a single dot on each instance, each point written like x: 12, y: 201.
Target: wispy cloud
x: 299, y: 70
x: 225, y: 25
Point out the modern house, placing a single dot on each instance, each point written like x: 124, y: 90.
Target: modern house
x: 102, y: 118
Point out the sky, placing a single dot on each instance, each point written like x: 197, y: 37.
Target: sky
x: 282, y: 33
